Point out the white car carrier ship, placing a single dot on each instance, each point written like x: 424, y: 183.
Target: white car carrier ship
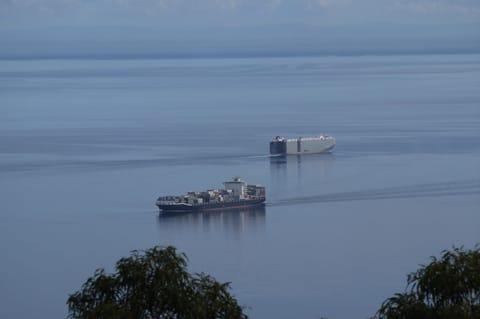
x: 302, y: 145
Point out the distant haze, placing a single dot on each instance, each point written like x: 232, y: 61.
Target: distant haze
x: 187, y: 28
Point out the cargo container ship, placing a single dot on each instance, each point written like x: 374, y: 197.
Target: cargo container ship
x: 302, y: 145
x: 237, y: 194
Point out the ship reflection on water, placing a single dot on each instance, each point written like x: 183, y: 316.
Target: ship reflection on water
x: 288, y: 167
x: 238, y: 222
x: 297, y: 161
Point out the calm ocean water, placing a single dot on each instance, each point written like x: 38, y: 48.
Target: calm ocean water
x: 86, y: 146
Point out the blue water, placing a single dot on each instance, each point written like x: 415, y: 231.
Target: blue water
x: 86, y: 146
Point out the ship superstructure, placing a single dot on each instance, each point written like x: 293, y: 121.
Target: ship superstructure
x: 302, y: 145
x: 236, y: 194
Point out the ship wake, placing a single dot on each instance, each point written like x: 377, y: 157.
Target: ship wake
x: 453, y: 188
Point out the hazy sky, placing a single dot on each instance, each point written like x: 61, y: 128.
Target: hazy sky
x: 149, y: 27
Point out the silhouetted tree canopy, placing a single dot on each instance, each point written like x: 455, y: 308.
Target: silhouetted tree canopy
x: 447, y: 288
x: 154, y: 284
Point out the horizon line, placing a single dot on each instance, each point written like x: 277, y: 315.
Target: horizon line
x: 231, y: 55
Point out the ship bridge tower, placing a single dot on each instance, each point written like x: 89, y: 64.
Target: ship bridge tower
x: 237, y: 186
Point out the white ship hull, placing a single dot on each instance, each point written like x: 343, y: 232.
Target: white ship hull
x: 305, y: 145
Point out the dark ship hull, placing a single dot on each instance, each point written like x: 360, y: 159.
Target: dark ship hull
x: 208, y: 207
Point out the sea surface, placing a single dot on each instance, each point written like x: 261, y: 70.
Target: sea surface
x: 86, y: 147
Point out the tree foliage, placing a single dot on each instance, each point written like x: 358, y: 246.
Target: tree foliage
x: 447, y: 288
x: 154, y: 284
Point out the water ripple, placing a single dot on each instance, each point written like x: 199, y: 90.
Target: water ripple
x: 452, y: 188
